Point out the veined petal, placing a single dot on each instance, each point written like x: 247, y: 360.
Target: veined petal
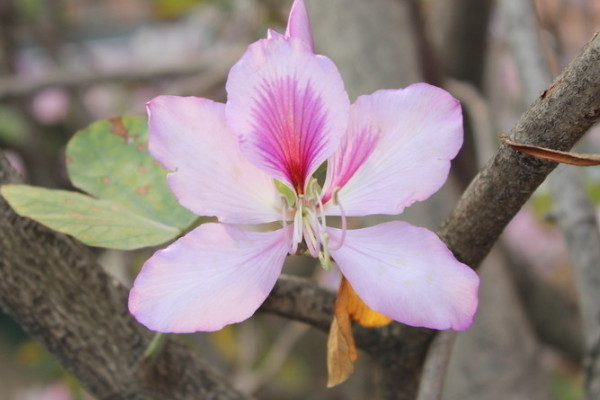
x: 215, y: 275
x: 211, y: 177
x: 408, y: 274
x: 397, y: 150
x: 299, y: 24
x: 289, y: 108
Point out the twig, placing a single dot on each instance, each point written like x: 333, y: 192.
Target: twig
x: 217, y: 62
x: 479, y: 118
x: 436, y: 365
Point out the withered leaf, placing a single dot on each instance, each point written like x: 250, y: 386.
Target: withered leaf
x: 565, y: 157
x: 341, y: 349
x: 341, y: 353
x: 358, y: 310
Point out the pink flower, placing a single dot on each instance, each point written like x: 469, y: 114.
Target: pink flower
x: 250, y: 162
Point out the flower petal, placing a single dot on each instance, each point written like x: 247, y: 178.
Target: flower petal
x: 397, y: 150
x: 211, y: 177
x: 408, y: 274
x: 299, y: 24
x: 289, y: 108
x: 215, y: 275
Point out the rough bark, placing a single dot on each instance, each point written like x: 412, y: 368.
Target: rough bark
x: 54, y: 288
x: 557, y: 119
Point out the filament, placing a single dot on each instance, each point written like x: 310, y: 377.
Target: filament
x: 343, y: 216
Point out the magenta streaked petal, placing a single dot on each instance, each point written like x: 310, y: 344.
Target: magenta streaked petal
x: 214, y: 276
x: 211, y: 177
x: 397, y: 150
x: 408, y: 274
x: 289, y: 108
x: 299, y: 24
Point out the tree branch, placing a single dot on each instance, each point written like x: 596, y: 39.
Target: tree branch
x: 55, y: 289
x: 557, y: 119
x: 215, y: 65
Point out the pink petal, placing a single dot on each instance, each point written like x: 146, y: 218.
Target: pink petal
x: 271, y: 34
x: 397, y: 150
x: 215, y: 275
x: 408, y: 274
x: 289, y: 108
x: 299, y: 24
x: 211, y: 177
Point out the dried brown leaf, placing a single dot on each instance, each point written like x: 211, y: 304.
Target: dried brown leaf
x: 565, y: 157
x: 341, y: 349
x: 341, y: 354
x: 358, y: 310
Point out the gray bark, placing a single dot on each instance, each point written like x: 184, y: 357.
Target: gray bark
x: 55, y: 289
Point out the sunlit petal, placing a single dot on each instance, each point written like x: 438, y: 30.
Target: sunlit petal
x: 408, y: 274
x: 299, y: 24
x: 215, y: 275
x: 289, y: 108
x: 211, y: 177
x: 397, y: 150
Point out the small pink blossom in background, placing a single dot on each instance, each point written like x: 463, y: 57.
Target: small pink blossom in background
x: 545, y: 247
x: 54, y: 391
x: 16, y: 161
x: 251, y: 161
x: 50, y: 106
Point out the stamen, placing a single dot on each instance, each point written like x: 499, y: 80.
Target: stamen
x: 343, y: 216
x: 311, y: 240
x: 284, y: 211
x: 297, y: 236
x: 321, y: 212
x: 324, y: 254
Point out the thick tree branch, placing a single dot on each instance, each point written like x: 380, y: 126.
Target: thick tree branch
x: 557, y: 119
x: 55, y: 289
x: 302, y: 300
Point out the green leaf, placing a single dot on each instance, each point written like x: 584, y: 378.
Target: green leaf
x: 132, y: 205
x: 101, y: 223
x: 110, y: 160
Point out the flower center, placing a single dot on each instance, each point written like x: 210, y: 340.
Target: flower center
x: 310, y: 223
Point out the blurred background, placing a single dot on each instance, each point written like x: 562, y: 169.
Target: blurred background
x: 66, y: 63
